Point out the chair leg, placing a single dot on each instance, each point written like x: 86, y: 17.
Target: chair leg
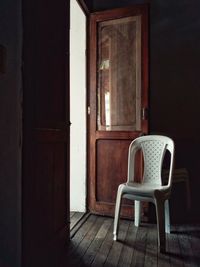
x: 137, y: 209
x: 167, y: 217
x: 117, y: 212
x: 160, y: 224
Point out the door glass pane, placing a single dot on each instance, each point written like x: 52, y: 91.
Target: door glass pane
x: 119, y: 74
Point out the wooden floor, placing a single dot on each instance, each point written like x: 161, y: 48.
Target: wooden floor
x: 92, y: 244
x: 75, y: 217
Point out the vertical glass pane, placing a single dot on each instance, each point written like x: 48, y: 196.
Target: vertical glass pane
x: 119, y: 74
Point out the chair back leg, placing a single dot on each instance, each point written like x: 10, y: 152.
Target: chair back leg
x: 137, y: 209
x: 167, y: 217
x: 160, y: 215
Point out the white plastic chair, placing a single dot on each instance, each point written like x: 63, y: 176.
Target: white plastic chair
x: 153, y: 148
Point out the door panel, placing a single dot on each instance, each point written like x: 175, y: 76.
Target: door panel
x: 118, y: 84
x: 108, y: 163
x: 45, y: 196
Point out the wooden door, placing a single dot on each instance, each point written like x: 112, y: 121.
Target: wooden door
x: 45, y: 196
x: 118, y: 99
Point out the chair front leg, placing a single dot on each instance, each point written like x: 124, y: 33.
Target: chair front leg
x: 117, y: 212
x: 160, y: 214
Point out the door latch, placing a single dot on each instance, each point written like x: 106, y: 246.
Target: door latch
x: 144, y: 113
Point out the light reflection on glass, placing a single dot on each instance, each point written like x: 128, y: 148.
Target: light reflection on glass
x: 104, y: 64
x: 107, y: 108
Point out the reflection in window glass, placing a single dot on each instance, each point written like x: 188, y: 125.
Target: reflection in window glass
x: 119, y: 74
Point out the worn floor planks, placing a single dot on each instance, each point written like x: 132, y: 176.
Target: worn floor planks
x: 92, y: 244
x: 75, y: 217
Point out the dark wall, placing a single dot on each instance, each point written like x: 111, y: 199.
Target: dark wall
x: 10, y: 133
x: 175, y: 81
x: 89, y: 4
x: 174, y: 45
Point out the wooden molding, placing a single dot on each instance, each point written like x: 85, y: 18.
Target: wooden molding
x: 83, y: 6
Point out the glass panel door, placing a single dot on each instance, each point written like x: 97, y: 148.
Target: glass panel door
x: 119, y: 74
x: 117, y: 92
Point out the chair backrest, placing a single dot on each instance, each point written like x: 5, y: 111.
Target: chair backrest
x: 153, y: 148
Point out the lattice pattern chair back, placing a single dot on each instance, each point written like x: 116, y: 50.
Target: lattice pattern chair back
x: 153, y: 149
x: 153, y: 154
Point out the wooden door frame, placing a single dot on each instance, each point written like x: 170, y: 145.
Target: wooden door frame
x: 93, y: 205
x: 87, y: 13
x: 145, y: 78
x: 84, y: 7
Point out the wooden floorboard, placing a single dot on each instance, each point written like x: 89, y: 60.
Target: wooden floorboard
x: 163, y: 258
x: 140, y: 247
x: 151, y: 253
x: 96, y: 243
x: 128, y: 247
x: 104, y: 250
x: 92, y: 244
x: 116, y: 248
x: 185, y: 246
x: 194, y: 238
x: 75, y: 217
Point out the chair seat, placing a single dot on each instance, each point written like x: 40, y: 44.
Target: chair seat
x: 144, y: 188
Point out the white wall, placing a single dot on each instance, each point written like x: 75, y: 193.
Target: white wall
x: 77, y: 108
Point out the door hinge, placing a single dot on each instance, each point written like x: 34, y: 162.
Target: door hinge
x: 88, y: 110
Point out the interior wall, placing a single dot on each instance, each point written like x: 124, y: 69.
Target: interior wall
x: 174, y: 43
x: 175, y: 81
x: 10, y: 133
x: 77, y: 108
